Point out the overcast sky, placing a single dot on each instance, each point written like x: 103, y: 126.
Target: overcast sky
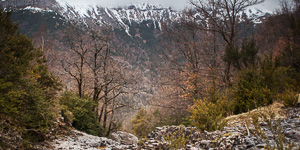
x: 270, y: 5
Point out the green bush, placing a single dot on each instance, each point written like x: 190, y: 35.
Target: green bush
x: 82, y: 110
x: 256, y: 87
x: 177, y: 140
x: 207, y: 115
x: 68, y: 115
x: 142, y: 124
x: 289, y: 57
x: 289, y: 98
x: 227, y: 102
x: 250, y: 91
x: 276, y: 78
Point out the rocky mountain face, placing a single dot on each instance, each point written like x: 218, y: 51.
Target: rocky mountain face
x: 138, y: 26
x: 124, y: 18
x: 23, y: 3
x: 120, y: 17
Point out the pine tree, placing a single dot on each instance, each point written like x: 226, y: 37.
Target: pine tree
x: 27, y: 89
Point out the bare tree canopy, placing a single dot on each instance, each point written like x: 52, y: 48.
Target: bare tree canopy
x: 222, y: 17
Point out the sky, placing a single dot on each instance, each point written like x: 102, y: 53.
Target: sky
x: 269, y: 5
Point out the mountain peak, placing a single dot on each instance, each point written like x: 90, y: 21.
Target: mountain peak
x: 22, y: 4
x: 120, y: 17
x: 145, y: 6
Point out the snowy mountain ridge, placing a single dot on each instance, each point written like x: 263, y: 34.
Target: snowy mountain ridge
x: 121, y: 17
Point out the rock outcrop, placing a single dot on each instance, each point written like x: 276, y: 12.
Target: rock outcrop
x: 78, y: 141
x: 24, y: 3
x: 236, y: 135
x: 125, y: 138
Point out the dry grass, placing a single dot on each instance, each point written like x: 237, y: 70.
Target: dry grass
x: 275, y: 108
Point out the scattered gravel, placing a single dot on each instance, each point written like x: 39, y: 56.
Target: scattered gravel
x: 81, y: 141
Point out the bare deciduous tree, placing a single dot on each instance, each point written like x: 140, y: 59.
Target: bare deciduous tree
x: 223, y: 17
x: 97, y: 72
x: 75, y: 64
x: 192, y: 63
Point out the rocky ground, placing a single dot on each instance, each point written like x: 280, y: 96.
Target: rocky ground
x: 76, y: 140
x: 240, y: 133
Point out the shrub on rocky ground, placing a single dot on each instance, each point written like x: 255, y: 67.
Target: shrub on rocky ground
x: 207, y: 115
x: 80, y: 112
x: 266, y: 120
x: 251, y: 91
x: 289, y: 98
x: 268, y: 131
x: 177, y: 139
x: 142, y: 124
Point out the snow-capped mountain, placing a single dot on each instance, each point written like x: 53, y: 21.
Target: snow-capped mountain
x: 137, y: 30
x: 122, y: 17
x: 116, y: 17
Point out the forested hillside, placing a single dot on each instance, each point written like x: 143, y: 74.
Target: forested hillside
x: 104, y: 70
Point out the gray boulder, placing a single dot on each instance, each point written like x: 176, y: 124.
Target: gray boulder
x: 124, y: 138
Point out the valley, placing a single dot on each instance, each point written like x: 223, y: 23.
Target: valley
x: 90, y: 71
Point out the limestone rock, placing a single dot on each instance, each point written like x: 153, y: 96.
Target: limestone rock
x: 235, y: 136
x: 124, y: 138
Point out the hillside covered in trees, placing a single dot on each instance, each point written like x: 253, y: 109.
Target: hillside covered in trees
x: 199, y: 70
